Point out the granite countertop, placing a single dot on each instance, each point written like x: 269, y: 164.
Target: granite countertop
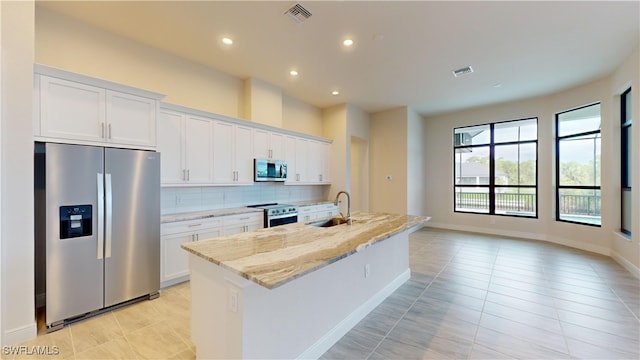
x: 274, y: 256
x: 311, y: 202
x: 168, y: 218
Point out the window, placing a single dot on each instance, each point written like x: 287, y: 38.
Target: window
x: 495, y: 168
x: 625, y: 166
x: 578, y: 165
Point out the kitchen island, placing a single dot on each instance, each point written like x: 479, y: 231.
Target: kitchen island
x: 292, y: 291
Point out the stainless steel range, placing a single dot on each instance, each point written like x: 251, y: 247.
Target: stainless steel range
x: 278, y: 214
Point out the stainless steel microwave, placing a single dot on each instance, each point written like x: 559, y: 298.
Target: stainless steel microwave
x: 270, y: 170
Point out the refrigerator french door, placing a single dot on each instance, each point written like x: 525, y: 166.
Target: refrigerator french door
x: 102, y: 226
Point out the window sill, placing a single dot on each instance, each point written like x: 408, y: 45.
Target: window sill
x: 623, y: 236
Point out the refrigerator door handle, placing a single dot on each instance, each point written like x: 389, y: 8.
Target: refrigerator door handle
x: 100, y: 212
x: 109, y: 213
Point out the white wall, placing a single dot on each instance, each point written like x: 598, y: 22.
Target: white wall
x: 17, y: 295
x: 625, y: 248
x: 416, y: 147
x: 439, y: 179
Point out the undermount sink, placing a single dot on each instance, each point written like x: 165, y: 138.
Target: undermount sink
x: 329, y: 222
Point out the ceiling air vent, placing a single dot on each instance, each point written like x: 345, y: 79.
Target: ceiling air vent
x: 463, y: 71
x: 298, y: 13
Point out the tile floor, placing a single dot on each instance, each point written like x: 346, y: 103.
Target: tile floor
x: 470, y: 296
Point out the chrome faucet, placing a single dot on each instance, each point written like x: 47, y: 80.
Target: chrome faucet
x: 348, y: 217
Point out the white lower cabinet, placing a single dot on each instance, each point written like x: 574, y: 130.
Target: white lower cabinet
x: 236, y: 224
x: 312, y: 212
x: 174, y: 261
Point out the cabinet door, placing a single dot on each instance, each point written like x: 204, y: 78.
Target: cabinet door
x: 70, y: 110
x: 290, y: 157
x: 261, y: 149
x: 171, y: 147
x: 303, y: 166
x: 198, y: 150
x: 131, y: 119
x: 276, y: 144
x: 324, y: 156
x: 223, y: 148
x: 175, y: 260
x: 243, y: 155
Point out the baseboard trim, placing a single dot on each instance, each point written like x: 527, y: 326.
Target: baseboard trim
x: 20, y: 334
x: 321, y: 346
x: 634, y: 270
x: 525, y: 235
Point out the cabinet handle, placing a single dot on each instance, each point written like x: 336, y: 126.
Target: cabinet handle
x: 102, y: 130
x: 297, y: 177
x: 194, y: 225
x: 188, y: 175
x: 246, y: 218
x: 109, y: 132
x: 197, y: 237
x: 320, y: 177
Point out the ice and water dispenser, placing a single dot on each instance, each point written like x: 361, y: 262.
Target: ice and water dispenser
x: 75, y: 221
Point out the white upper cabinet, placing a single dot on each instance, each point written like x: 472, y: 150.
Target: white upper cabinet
x: 131, y: 119
x: 71, y: 110
x: 74, y: 108
x: 171, y: 147
x: 268, y: 145
x: 186, y: 146
x: 307, y: 161
x: 232, y: 154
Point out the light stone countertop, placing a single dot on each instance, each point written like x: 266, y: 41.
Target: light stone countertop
x: 310, y: 202
x: 168, y: 218
x: 274, y: 256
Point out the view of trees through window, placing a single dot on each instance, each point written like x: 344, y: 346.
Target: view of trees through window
x: 496, y: 168
x: 578, y: 152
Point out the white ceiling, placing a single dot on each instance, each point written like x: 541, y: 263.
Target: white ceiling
x: 530, y: 48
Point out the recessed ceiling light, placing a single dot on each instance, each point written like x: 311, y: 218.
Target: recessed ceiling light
x: 227, y: 41
x: 347, y: 42
x: 293, y: 73
x: 335, y: 92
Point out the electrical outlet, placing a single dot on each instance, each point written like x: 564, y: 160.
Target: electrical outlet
x: 367, y: 270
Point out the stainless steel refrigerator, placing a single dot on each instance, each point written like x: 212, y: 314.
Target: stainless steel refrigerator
x: 97, y: 227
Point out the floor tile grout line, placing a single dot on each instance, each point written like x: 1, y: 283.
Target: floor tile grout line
x: 484, y: 303
x: 555, y: 309
x: 615, y: 293
x: 410, y: 306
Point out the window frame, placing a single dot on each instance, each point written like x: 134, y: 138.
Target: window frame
x: 625, y: 153
x: 492, y: 186
x: 558, y: 140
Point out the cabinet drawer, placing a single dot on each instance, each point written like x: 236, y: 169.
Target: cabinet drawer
x: 190, y: 225
x: 242, y: 219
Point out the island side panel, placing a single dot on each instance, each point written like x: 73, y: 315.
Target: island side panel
x: 216, y: 330
x: 302, y: 318
x: 306, y: 316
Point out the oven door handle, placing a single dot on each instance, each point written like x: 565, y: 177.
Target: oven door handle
x: 270, y: 217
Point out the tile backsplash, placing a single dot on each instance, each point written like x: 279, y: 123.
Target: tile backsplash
x: 187, y: 199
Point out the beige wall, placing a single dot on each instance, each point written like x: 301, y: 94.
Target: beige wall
x: 388, y: 146
x: 262, y: 102
x: 68, y: 44
x: 300, y: 116
x: 16, y: 239
x: 438, y: 173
